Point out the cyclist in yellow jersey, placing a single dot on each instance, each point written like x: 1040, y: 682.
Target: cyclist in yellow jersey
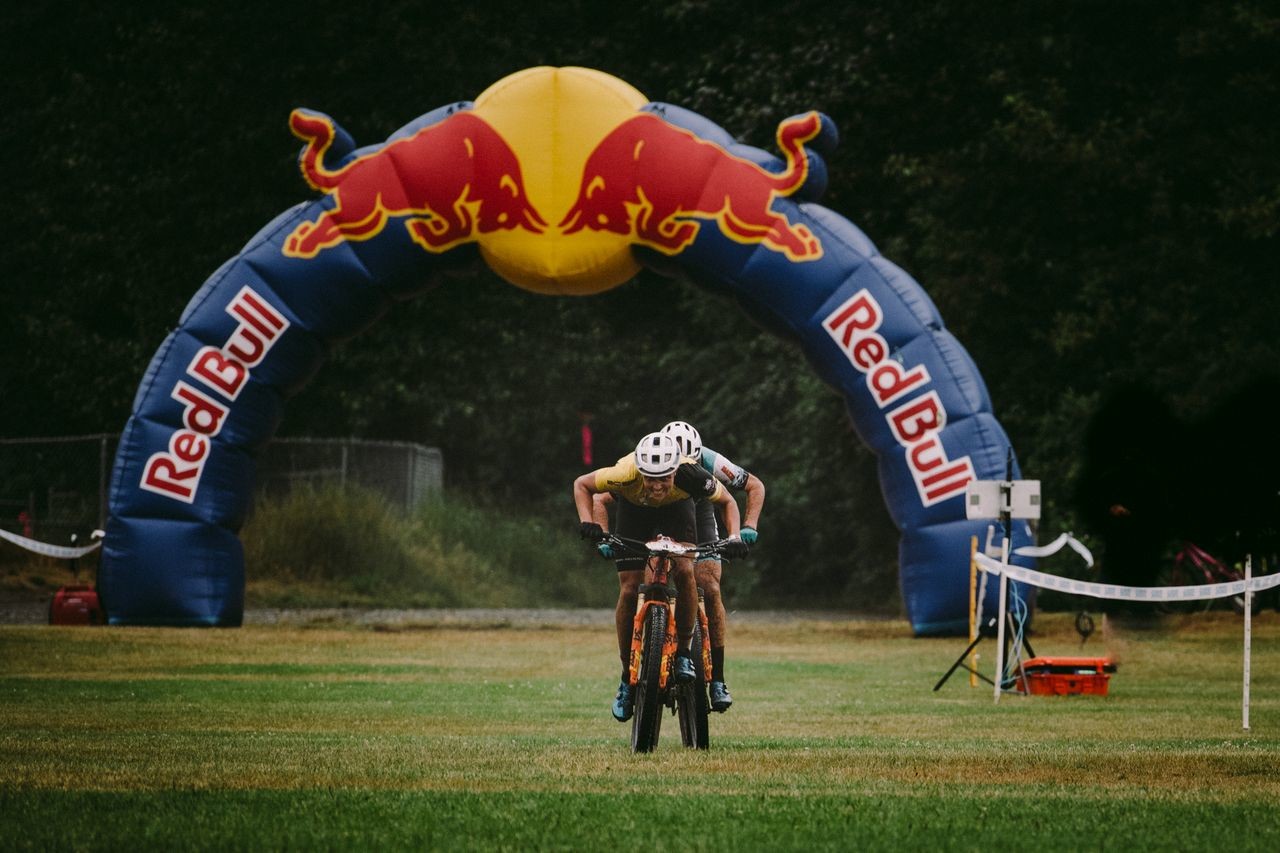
x: 707, y: 571
x: 655, y: 488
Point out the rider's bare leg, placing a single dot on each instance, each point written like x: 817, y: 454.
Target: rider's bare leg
x: 686, y: 600
x: 708, y: 573
x: 625, y: 614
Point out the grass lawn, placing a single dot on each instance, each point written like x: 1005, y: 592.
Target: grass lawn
x: 431, y: 737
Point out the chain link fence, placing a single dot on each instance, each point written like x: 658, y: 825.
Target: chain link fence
x: 53, y: 487
x: 405, y: 474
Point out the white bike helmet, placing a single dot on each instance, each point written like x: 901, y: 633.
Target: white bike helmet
x: 687, y: 438
x: 657, y: 455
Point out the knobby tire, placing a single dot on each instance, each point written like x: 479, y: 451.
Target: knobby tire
x: 647, y: 721
x: 692, y: 705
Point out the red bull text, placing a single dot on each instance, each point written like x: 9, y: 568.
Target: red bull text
x: 915, y: 424
x: 220, y: 372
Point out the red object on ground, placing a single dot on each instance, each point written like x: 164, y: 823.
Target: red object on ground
x: 76, y: 604
x: 1054, y: 676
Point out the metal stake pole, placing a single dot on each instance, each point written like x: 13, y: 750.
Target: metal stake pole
x: 1248, y: 632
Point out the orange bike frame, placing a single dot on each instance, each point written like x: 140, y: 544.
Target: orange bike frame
x: 670, y: 640
x: 706, y: 638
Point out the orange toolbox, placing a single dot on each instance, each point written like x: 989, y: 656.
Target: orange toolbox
x: 1054, y: 676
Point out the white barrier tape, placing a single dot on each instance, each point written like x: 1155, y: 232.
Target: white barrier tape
x: 46, y: 550
x: 1198, y: 592
x: 1055, y: 546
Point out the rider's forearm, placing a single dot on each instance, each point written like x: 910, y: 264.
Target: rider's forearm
x: 600, y: 510
x: 732, y: 520
x: 582, y: 492
x: 755, y: 501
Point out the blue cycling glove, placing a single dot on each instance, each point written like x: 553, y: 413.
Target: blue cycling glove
x: 748, y: 535
x: 605, y: 549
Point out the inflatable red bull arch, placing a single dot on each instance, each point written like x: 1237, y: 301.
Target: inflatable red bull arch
x: 567, y: 181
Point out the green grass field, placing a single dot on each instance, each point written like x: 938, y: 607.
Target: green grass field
x: 445, y: 738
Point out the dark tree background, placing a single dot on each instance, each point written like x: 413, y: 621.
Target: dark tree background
x: 1088, y: 190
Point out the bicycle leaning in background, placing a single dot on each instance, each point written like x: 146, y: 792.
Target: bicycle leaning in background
x: 1192, y: 565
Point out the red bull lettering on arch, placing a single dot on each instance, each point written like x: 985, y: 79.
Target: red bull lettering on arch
x: 222, y: 371
x: 914, y: 424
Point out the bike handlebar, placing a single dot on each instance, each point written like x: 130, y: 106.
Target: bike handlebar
x: 668, y: 546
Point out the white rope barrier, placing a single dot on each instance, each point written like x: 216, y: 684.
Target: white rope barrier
x: 1055, y: 546
x: 1248, y: 587
x: 44, y: 549
x: 1198, y: 592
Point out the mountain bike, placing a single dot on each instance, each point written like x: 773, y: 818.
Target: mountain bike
x: 654, y: 644
x: 1193, y: 565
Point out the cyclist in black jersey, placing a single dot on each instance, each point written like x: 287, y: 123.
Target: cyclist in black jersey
x: 708, y: 570
x: 655, y: 488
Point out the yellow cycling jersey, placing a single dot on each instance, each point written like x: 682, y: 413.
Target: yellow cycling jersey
x: 624, y: 480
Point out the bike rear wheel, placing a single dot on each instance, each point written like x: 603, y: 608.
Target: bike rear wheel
x: 1176, y: 575
x: 692, y: 705
x: 647, y: 721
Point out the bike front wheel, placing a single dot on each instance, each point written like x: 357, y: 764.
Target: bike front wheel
x: 647, y: 721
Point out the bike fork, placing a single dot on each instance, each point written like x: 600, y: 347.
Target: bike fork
x: 669, y: 640
x: 637, y: 638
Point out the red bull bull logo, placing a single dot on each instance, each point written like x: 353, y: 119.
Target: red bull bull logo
x: 609, y: 174
x: 448, y: 182
x: 658, y: 184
